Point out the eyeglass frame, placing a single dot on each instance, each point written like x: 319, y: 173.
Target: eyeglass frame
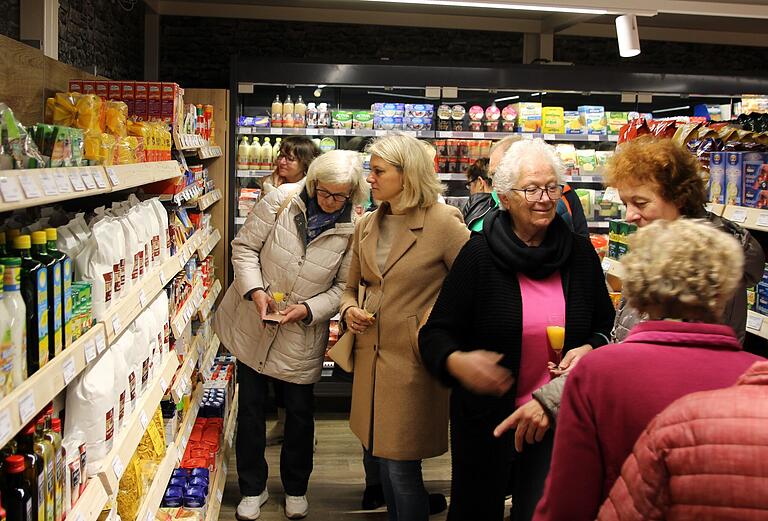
x: 468, y: 184
x: 286, y: 157
x: 531, y: 191
x: 331, y: 195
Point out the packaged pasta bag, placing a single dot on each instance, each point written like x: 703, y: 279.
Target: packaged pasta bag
x: 125, y: 150
x: 64, y: 109
x: 92, y: 144
x: 116, y: 118
x: 142, y: 131
x: 89, y: 112
x: 107, y: 154
x: 131, y: 492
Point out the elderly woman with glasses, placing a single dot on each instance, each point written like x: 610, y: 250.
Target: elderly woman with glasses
x: 525, y: 277
x: 290, y: 260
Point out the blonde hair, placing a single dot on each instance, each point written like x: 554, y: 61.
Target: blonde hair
x: 421, y: 186
x: 339, y: 167
x: 684, y: 268
x: 519, y: 156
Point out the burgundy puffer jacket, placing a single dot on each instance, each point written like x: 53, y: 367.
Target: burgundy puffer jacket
x: 705, y: 457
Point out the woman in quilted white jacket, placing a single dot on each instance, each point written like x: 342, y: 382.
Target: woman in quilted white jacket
x: 295, y: 242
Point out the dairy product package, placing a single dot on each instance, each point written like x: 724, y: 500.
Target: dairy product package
x: 419, y: 110
x: 341, y: 119
x: 529, y: 117
x: 90, y: 407
x: 567, y: 154
x: 593, y: 119
x: 387, y: 123
x: 715, y: 193
x: 362, y: 119
x: 572, y: 122
x: 553, y: 120
x: 603, y: 156
x: 388, y: 110
x: 616, y: 120
x: 418, y: 123
x: 444, y: 118
x: 586, y: 160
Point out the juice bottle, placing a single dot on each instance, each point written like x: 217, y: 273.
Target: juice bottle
x: 254, y: 155
x: 299, y: 113
x: 6, y: 347
x: 277, y: 112
x: 276, y: 150
x: 266, y: 155
x: 288, y: 112
x: 44, y: 448
x: 34, y: 472
x: 34, y: 290
x: 242, y: 154
x: 15, y: 310
x: 53, y: 269
x: 54, y: 437
x: 66, y: 284
x: 16, y: 495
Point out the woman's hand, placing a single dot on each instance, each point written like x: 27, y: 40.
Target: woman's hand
x: 264, y: 303
x: 294, y: 313
x: 479, y: 371
x: 358, y: 320
x: 529, y: 421
x: 572, y: 357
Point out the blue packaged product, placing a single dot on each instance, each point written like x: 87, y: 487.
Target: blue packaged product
x: 180, y: 473
x: 178, y: 481
x: 419, y: 110
x: 388, y: 109
x: 388, y: 123
x: 194, y: 497
x: 755, y: 178
x: 417, y: 123
x: 199, y: 482
x: 200, y: 472
x: 174, y: 497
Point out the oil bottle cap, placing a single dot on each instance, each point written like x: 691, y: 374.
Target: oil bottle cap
x: 15, y: 463
x: 39, y: 238
x: 22, y: 242
x: 51, y: 234
x: 56, y: 425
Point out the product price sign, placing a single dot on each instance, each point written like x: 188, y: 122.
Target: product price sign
x: 739, y: 216
x: 49, y: 185
x: 549, y: 137
x: 339, y: 132
x: 163, y: 280
x: 62, y: 183
x: 10, y: 190
x: 163, y: 384
x: 593, y: 137
x: 90, y: 352
x: 113, y: 176
x: 116, y: 324
x: 87, y: 178
x: 117, y: 467
x: 379, y: 133
x: 29, y: 187
x: 77, y: 182
x: 762, y: 220
x: 183, y: 442
x: 100, y: 181
x: 5, y: 424
x: 142, y: 298
x: 754, y: 322
x: 27, y: 407
x: 80, y: 517
x: 219, y: 495
x: 68, y: 370
x: 101, y: 343
x: 276, y: 131
x: 606, y: 264
x: 313, y: 132
x: 478, y: 135
x: 144, y: 420
x: 150, y: 516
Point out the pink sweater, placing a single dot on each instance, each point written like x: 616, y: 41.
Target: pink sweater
x: 612, y: 395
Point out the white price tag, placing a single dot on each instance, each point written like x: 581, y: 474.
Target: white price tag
x: 593, y: 137
x: 29, y: 187
x: 10, y: 190
x: 380, y: 132
x: 5, y: 425
x: 183, y: 442
x: 49, y: 185
x: 527, y: 135
x: 339, y: 132
x: 225, y: 469
x: 77, y: 182
x: 163, y: 384
x: 142, y: 298
x: 179, y: 454
x: 754, y: 322
x: 277, y: 131
x: 116, y: 324
x: 478, y: 135
x: 244, y: 130
x: 150, y: 516
x: 446, y: 134
x: 62, y: 182
x: 163, y: 280
x: 101, y: 343
x: 113, y: 176
x: 739, y: 216
x: 118, y: 468
x: 312, y: 132
x: 27, y: 407
x: 182, y: 261
x: 68, y: 370
x: 100, y: 181
x: 90, y: 352
x: 762, y: 220
x: 144, y: 420
x: 606, y: 264
x: 549, y: 137
x: 87, y: 178
x: 219, y: 495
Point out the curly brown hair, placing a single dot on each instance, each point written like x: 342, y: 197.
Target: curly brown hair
x: 660, y: 162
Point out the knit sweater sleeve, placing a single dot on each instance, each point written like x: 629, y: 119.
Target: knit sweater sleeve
x: 442, y: 333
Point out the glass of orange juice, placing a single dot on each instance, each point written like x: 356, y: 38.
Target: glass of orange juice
x: 556, y: 335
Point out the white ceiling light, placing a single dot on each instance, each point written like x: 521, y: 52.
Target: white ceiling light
x: 508, y: 98
x: 500, y: 5
x: 627, y: 35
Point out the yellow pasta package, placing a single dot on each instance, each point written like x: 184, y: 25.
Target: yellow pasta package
x: 131, y: 491
x: 116, y: 118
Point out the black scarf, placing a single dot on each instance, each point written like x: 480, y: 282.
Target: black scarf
x: 509, y: 253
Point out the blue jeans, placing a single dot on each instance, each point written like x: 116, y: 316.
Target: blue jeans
x: 404, y: 492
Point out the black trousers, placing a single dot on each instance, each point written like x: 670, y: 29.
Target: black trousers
x: 297, y: 451
x: 482, y: 465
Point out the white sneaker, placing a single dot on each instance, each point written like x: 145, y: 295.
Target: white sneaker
x: 296, y: 507
x: 250, y: 506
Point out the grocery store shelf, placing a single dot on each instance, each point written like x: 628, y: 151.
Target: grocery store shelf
x: 91, y: 502
x: 240, y: 220
x: 253, y: 173
x: 206, y: 247
x: 209, y: 199
x: 715, y: 208
x: 125, y: 311
x: 750, y: 218
x: 584, y: 179
x: 220, y: 480
x: 43, y: 186
x: 34, y: 393
x: 188, y: 309
x: 331, y: 132
x: 130, y: 435
x: 189, y: 193
x: 526, y: 135
x: 598, y: 224
x: 452, y: 177
x: 154, y: 495
x: 757, y: 324
x: 210, y: 300
x: 209, y: 152
x: 612, y: 267
x: 207, y: 359
x: 183, y: 379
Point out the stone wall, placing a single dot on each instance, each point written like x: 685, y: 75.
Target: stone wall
x: 9, y: 18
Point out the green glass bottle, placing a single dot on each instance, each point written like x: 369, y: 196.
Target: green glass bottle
x: 67, y: 273
x: 53, y: 274
x: 34, y: 473
x: 34, y: 289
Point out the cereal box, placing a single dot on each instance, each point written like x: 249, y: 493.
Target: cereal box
x: 734, y: 184
x: 715, y: 193
x: 754, y: 168
x: 553, y: 120
x: 140, y: 95
x: 155, y: 100
x: 593, y: 119
x: 128, y: 96
x: 75, y: 85
x: 102, y: 89
x: 529, y: 117
x: 572, y: 122
x: 168, y: 101
x: 115, y: 90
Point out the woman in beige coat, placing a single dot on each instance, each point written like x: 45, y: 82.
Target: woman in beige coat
x: 296, y: 242
x: 400, y: 255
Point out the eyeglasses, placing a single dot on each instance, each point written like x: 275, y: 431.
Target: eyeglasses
x: 339, y: 198
x: 469, y: 184
x: 285, y: 157
x: 535, y: 193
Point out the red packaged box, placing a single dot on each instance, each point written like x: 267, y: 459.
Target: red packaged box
x: 168, y: 104
x: 89, y: 87
x: 102, y: 89
x: 76, y: 86
x: 128, y: 95
x: 115, y: 90
x: 141, y: 96
x: 155, y: 104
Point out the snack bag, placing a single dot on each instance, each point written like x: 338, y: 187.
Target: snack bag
x: 116, y: 118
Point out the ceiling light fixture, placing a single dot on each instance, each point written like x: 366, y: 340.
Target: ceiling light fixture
x: 500, y: 5
x: 627, y: 35
x: 508, y: 98
x: 672, y: 109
